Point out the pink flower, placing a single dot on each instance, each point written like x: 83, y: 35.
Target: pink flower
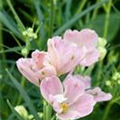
x: 69, y: 100
x: 37, y: 67
x: 96, y: 92
x: 85, y: 38
x: 65, y: 55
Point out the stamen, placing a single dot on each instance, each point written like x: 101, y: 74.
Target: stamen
x: 64, y: 107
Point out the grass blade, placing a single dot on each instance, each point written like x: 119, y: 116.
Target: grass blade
x: 24, y: 95
x: 40, y: 18
x: 19, y: 117
x: 77, y: 17
x: 9, y: 23
x: 19, y: 22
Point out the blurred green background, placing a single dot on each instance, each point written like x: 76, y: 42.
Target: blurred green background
x: 49, y: 18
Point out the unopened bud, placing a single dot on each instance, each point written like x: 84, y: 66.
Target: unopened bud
x: 102, y: 42
x: 29, y: 33
x: 103, y: 52
x: 24, y: 51
x: 1, y: 76
x: 116, y: 76
x: 22, y: 111
x: 108, y: 83
x: 118, y: 82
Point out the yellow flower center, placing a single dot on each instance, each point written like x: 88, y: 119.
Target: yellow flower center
x: 64, y: 107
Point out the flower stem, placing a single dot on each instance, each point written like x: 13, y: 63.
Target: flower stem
x: 108, y: 9
x: 44, y: 110
x: 107, y: 110
x: 48, y: 112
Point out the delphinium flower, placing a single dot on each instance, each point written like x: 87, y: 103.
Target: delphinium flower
x: 34, y: 68
x: 69, y: 100
x: 88, y: 39
x: 61, y: 58
x: 73, y: 98
x: 65, y: 55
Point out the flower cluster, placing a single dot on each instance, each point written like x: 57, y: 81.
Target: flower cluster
x: 73, y: 98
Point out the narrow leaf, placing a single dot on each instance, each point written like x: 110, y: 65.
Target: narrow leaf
x: 24, y: 95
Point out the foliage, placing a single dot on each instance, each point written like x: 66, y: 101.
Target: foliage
x: 47, y: 19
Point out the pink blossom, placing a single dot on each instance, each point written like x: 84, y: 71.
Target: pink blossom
x: 36, y: 68
x: 96, y: 92
x: 65, y: 55
x: 85, y: 38
x: 69, y: 100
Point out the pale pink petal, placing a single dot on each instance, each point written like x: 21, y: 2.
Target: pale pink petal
x: 69, y: 115
x: 46, y: 72
x: 56, y: 107
x: 99, y: 95
x: 85, y: 37
x: 71, y: 59
x: 52, y: 50
x: 26, y: 67
x: 84, y: 105
x: 90, y: 58
x: 85, y: 79
x: 50, y: 86
x: 64, y: 54
x: 73, y: 88
x: 38, y: 57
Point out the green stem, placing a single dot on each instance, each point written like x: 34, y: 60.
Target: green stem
x: 1, y: 41
x: 95, y: 12
x: 107, y: 110
x: 19, y: 22
x: 23, y: 81
x: 48, y: 112
x: 44, y: 110
x: 108, y: 9
x: 52, y: 13
x: 82, y: 4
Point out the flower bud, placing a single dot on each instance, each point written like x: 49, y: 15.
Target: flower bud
x: 102, y: 42
x: 24, y: 51
x: 1, y: 76
x: 108, y: 83
x: 22, y: 111
x: 103, y: 52
x: 116, y: 76
x: 118, y: 82
x: 29, y: 33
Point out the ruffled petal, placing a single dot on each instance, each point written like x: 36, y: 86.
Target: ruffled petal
x: 38, y: 57
x: 46, y: 72
x: 65, y: 55
x: 90, y: 58
x: 99, y: 95
x: 85, y: 37
x: 85, y: 79
x: 26, y: 67
x: 84, y: 105
x: 74, y: 88
x: 50, y: 86
x: 69, y: 115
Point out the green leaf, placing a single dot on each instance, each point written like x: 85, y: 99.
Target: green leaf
x: 24, y: 95
x: 98, y: 25
x: 19, y: 22
x: 9, y: 23
x: 77, y: 17
x: 40, y: 18
x: 19, y: 117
